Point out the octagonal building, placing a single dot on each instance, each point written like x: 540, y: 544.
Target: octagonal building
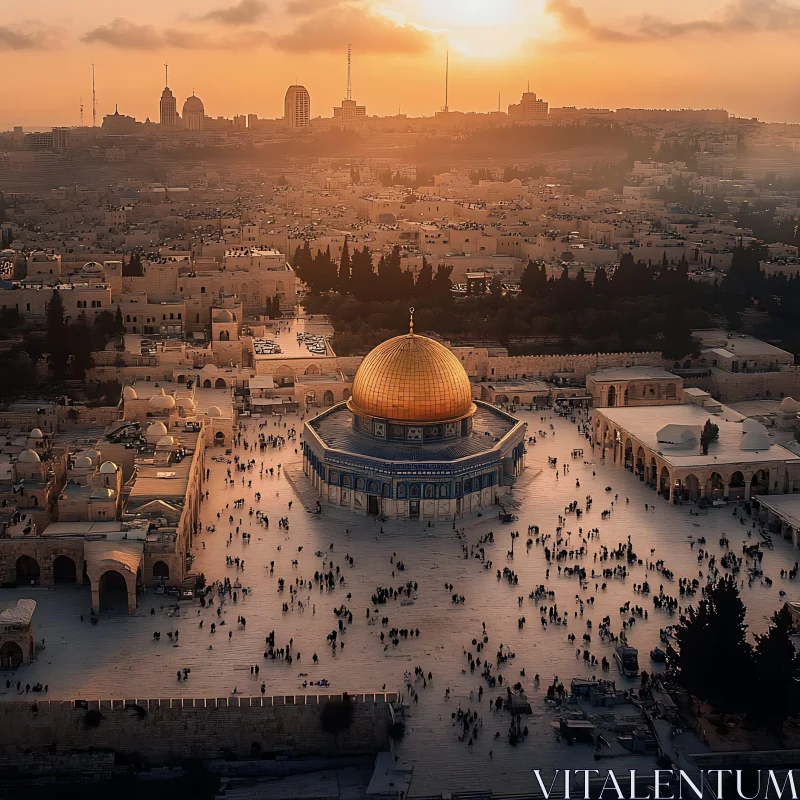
x: 411, y: 443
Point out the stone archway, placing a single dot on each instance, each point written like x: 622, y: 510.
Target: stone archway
x: 64, y: 570
x: 501, y: 398
x: 627, y: 455
x: 664, y: 482
x: 736, y: 486
x: 691, y: 485
x: 28, y: 571
x: 327, y: 398
x: 220, y: 384
x: 219, y: 439
x: 612, y: 396
x: 715, y: 487
x: 206, y: 384
x: 346, y: 394
x: 515, y: 401
x: 114, y: 592
x: 759, y: 483
x: 11, y: 655
x: 312, y: 369
x: 161, y: 570
x: 652, y: 478
x: 639, y: 465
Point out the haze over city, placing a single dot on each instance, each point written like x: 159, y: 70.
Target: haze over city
x: 451, y: 346
x: 240, y: 56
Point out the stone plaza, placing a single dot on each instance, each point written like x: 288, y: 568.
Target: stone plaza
x: 118, y: 657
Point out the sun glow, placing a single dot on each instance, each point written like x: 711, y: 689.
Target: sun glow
x: 486, y: 29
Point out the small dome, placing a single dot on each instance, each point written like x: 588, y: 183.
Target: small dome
x: 36, y: 433
x: 755, y: 441
x: 224, y: 316
x: 680, y: 435
x: 103, y: 493
x: 83, y: 462
x: 214, y: 411
x: 165, y: 441
x: 193, y: 105
x: 28, y: 457
x: 92, y: 268
x: 129, y: 393
x: 753, y: 426
x: 155, y: 431
x: 789, y: 405
x: 186, y: 402
x: 209, y: 369
x: 94, y: 455
x: 109, y: 468
x: 161, y: 401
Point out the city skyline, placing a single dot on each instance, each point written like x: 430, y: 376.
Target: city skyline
x: 241, y: 56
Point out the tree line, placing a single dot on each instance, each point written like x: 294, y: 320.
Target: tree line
x: 355, y: 275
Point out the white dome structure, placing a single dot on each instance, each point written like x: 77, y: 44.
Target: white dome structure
x: 186, y: 402
x: 789, y: 405
x: 753, y: 426
x: 224, y: 316
x: 28, y: 457
x: 209, y: 369
x: 755, y: 441
x: 155, y: 431
x: 680, y: 435
x: 109, y: 468
x: 213, y: 411
x: 92, y: 268
x: 36, y: 433
x: 129, y: 393
x: 161, y: 401
x: 83, y: 462
x: 165, y: 441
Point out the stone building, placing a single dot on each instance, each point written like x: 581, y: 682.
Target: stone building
x: 410, y: 442
x: 16, y: 635
x: 661, y: 445
x: 633, y: 386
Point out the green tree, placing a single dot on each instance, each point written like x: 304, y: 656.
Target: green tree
x: 423, y: 286
x: 708, y: 435
x: 119, y: 323
x: 714, y: 661
x: 534, y: 279
x: 57, y: 344
x: 777, y: 671
x: 344, y: 269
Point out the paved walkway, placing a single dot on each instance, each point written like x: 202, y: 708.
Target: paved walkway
x: 118, y: 658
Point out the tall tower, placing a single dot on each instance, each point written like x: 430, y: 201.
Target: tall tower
x: 349, y: 95
x: 168, y: 106
x: 94, y: 102
x: 297, y: 107
x: 447, y: 83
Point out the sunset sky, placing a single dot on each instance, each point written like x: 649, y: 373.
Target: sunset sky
x: 240, y: 55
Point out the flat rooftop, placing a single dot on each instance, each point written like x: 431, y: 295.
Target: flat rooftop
x: 632, y: 374
x: 518, y: 384
x: 786, y: 506
x: 644, y: 423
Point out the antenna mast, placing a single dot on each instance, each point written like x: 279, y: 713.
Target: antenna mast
x: 94, y: 102
x: 166, y: 75
x: 81, y: 112
x: 447, y: 83
x: 349, y: 86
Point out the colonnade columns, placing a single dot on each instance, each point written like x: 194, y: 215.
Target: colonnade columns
x: 746, y: 489
x: 726, y: 491
x: 95, y: 596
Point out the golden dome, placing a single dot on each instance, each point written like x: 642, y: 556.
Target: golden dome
x: 412, y: 379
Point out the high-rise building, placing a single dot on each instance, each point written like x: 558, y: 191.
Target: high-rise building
x: 297, y: 107
x: 169, y: 109
x: 529, y: 110
x: 169, y: 105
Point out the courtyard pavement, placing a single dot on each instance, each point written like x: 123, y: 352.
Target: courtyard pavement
x: 119, y: 659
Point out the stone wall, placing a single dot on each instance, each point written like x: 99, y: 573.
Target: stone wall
x: 732, y: 387
x: 162, y: 731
